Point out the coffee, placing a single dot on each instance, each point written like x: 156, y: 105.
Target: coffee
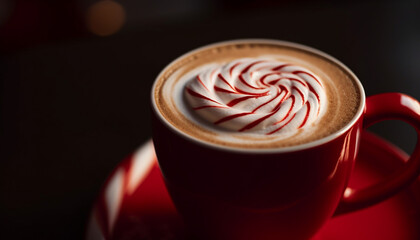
x: 256, y: 94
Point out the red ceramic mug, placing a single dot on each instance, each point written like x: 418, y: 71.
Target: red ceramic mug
x: 284, y: 193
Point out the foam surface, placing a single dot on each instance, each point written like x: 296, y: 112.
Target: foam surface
x: 342, y: 96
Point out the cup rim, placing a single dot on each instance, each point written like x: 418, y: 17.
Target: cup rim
x: 295, y: 148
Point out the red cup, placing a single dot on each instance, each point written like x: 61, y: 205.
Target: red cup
x: 283, y: 193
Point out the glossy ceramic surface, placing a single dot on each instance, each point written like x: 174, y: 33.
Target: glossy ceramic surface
x: 134, y: 203
x: 230, y: 193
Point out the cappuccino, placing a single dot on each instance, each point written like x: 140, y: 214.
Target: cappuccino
x: 256, y: 94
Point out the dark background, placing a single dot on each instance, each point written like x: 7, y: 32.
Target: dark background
x: 75, y: 84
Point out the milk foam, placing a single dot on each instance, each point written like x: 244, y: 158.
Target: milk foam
x: 257, y: 96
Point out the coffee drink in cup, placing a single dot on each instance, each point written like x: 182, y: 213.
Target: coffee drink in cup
x: 257, y: 139
x: 258, y: 95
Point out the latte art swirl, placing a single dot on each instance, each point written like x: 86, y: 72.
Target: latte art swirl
x: 262, y: 96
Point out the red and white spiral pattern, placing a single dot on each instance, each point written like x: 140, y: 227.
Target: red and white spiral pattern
x: 257, y: 95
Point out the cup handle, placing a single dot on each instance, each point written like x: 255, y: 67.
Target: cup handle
x: 379, y: 108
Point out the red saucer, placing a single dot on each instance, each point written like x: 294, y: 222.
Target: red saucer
x: 134, y: 203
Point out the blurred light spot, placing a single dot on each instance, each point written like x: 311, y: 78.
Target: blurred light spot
x: 105, y: 17
x: 348, y: 192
